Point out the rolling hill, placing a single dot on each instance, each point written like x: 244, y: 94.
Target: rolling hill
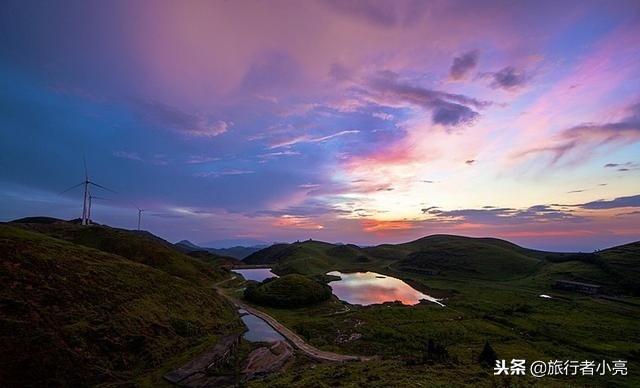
x: 482, y: 258
x: 485, y: 258
x: 96, y: 305
x: 237, y: 252
x: 451, y: 256
x: 139, y: 246
x: 310, y: 257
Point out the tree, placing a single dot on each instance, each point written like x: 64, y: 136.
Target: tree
x: 488, y: 356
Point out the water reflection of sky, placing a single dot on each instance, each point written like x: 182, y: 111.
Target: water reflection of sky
x: 259, y: 330
x: 257, y: 274
x: 365, y: 288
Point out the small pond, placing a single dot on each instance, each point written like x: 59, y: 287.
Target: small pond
x: 366, y: 288
x: 259, y: 330
x: 257, y: 274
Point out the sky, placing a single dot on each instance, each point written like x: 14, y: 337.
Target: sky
x: 349, y: 121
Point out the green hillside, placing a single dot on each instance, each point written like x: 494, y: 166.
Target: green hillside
x: 313, y: 258
x: 485, y: 258
x: 72, y: 315
x: 459, y: 257
x: 138, y: 246
x: 454, y: 255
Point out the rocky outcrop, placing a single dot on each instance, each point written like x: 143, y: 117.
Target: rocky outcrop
x: 266, y: 360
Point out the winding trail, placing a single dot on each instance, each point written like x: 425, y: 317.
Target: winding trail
x: 289, y: 334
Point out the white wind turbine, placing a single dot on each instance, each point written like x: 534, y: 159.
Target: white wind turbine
x: 139, y: 216
x: 86, y: 183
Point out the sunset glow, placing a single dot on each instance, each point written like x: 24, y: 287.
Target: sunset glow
x: 343, y: 121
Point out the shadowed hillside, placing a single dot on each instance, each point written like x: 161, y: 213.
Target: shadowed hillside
x: 139, y: 246
x: 237, y: 252
x: 458, y: 257
x: 487, y: 258
x: 310, y: 257
x: 72, y: 315
x: 465, y: 256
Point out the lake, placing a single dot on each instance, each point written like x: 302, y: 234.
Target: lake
x: 257, y: 274
x: 366, y: 288
x: 259, y: 330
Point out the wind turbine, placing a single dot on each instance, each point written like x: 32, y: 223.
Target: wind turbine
x: 86, y: 184
x: 139, y: 216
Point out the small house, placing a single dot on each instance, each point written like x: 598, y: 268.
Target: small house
x: 584, y: 288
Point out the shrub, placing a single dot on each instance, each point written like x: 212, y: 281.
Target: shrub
x: 289, y: 291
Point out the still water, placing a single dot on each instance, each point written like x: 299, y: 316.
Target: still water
x: 365, y: 288
x: 259, y: 330
x: 257, y: 274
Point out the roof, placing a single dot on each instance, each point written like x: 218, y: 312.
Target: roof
x: 577, y: 283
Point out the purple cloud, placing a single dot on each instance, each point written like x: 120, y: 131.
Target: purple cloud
x: 381, y: 12
x: 588, y: 136
x: 631, y: 201
x: 463, y: 64
x: 172, y: 118
x: 447, y: 109
x: 502, y: 215
x: 508, y: 78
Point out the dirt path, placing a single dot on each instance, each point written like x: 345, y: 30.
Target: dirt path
x: 290, y: 335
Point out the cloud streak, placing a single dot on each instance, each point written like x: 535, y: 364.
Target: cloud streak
x: 584, y: 138
x: 311, y: 139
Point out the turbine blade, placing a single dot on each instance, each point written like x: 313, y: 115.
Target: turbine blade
x: 72, y: 187
x: 102, y: 187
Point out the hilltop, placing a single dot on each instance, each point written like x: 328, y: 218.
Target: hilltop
x: 90, y: 305
x: 310, y: 257
x: 139, y: 246
x: 237, y: 252
x: 449, y: 256
x: 475, y: 257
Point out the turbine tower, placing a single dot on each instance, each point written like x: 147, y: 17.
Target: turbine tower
x: 91, y: 198
x: 139, y: 216
x: 86, y: 183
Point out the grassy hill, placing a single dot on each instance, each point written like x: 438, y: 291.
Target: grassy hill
x: 485, y: 258
x: 99, y: 305
x: 237, y: 252
x: 139, y: 246
x: 455, y: 255
x: 458, y: 257
x: 214, y: 259
x: 312, y: 257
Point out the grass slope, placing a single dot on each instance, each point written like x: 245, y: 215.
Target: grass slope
x: 142, y: 247
x: 485, y: 258
x: 454, y: 255
x: 72, y: 315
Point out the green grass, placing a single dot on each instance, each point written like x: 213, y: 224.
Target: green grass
x: 141, y: 247
x: 97, y: 305
x: 74, y: 315
x: 492, y: 290
x: 289, y: 291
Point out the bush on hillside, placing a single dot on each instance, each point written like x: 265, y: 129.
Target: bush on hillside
x: 289, y: 291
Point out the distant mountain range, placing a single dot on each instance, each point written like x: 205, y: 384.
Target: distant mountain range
x: 237, y: 252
